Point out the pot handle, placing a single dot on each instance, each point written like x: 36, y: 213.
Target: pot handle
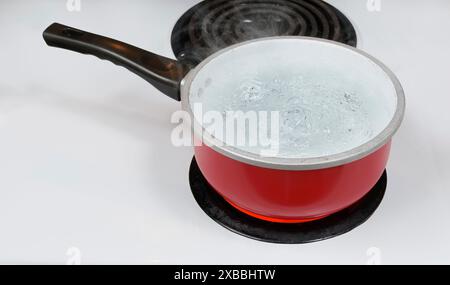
x: 163, y: 73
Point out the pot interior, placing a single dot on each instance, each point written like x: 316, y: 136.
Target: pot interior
x: 329, y: 98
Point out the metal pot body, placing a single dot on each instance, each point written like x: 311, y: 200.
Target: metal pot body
x: 290, y: 196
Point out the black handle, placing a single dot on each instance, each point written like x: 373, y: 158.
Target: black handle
x: 163, y: 73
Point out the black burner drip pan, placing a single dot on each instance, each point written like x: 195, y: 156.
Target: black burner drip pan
x: 337, y: 224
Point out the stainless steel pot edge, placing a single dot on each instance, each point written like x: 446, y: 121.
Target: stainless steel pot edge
x: 312, y: 163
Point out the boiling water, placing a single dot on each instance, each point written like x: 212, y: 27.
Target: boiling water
x: 330, y: 99
x: 317, y: 116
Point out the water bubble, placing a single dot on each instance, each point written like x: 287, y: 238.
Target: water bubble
x: 200, y: 92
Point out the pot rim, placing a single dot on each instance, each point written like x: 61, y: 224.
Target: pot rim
x: 295, y: 163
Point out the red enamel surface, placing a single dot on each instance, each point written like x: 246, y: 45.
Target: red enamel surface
x: 290, y: 196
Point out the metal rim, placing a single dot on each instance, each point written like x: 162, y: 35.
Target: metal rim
x: 310, y: 163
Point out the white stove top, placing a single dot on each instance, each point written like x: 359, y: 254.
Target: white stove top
x: 88, y: 173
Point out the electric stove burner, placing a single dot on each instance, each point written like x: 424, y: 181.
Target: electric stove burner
x: 215, y: 24
x: 337, y: 224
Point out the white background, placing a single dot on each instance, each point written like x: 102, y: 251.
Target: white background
x: 86, y: 159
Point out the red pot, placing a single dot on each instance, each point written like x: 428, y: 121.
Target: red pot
x: 290, y: 196
x: 286, y: 189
